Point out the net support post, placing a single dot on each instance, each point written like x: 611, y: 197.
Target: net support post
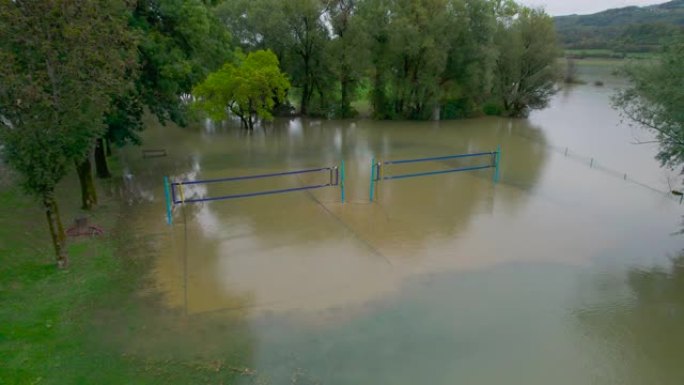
x: 342, y: 176
x: 167, y: 195
x: 181, y: 192
x: 372, y: 180
x: 497, y: 160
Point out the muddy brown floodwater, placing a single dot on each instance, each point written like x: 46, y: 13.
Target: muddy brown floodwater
x: 565, y: 272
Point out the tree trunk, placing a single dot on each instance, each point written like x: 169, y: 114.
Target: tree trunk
x: 345, y: 104
x: 244, y: 122
x: 304, y: 106
x: 108, y: 145
x: 250, y: 116
x: 321, y: 98
x: 250, y: 122
x: 436, y: 113
x: 85, y: 177
x: 56, y: 229
x: 101, y: 167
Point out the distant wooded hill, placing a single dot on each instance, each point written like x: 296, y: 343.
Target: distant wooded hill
x: 630, y: 29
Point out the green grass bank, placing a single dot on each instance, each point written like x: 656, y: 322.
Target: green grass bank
x: 100, y: 321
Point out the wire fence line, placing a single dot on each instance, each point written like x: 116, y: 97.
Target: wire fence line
x: 593, y: 163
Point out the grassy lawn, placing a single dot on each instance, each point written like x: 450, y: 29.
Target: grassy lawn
x: 90, y: 324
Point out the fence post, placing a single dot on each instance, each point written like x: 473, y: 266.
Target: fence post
x: 497, y: 159
x: 342, y: 181
x: 372, y: 180
x: 169, y: 216
x: 181, y: 192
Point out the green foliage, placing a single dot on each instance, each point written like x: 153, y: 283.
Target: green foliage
x: 492, y: 109
x: 457, y: 109
x: 60, y: 63
x: 425, y: 53
x: 249, y: 90
x: 348, y: 52
x: 296, y: 32
x: 468, y: 77
x: 655, y: 100
x: 182, y: 41
x: 455, y: 55
x: 179, y: 43
x: 419, y: 56
x: 526, y: 69
x: 124, y: 120
x: 624, y: 30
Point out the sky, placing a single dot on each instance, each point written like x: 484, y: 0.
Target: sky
x: 567, y: 7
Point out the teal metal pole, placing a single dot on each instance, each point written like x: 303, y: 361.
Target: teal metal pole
x: 342, y: 192
x: 372, y: 180
x: 167, y: 194
x: 497, y: 159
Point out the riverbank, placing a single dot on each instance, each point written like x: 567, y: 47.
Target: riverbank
x: 84, y: 325
x: 607, y: 54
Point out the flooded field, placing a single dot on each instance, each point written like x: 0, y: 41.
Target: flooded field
x: 562, y: 273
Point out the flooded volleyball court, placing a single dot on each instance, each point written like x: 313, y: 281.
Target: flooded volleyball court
x: 545, y: 277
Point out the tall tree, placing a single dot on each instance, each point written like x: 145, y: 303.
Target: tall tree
x: 308, y: 46
x: 467, y: 79
x: 655, y: 100
x: 180, y: 42
x: 248, y: 90
x: 526, y: 70
x: 296, y: 31
x: 60, y: 62
x: 348, y: 52
x: 375, y: 21
x: 411, y: 48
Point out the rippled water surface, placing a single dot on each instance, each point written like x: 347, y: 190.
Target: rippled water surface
x: 565, y: 272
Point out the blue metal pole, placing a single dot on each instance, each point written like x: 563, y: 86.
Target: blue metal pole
x: 372, y: 180
x: 342, y: 192
x: 497, y: 159
x: 167, y: 194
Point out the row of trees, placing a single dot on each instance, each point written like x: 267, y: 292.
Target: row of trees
x: 419, y: 59
x: 76, y: 77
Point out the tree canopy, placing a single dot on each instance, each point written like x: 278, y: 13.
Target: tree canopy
x: 655, y: 100
x: 179, y: 43
x: 60, y: 64
x: 249, y: 90
x: 420, y: 59
x: 526, y: 69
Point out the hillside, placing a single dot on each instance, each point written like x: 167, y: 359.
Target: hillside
x: 629, y: 29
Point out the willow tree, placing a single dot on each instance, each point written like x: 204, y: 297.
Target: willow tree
x: 655, y: 101
x: 525, y: 71
x: 410, y: 44
x: 297, y: 33
x: 349, y: 52
x: 248, y: 90
x: 60, y: 62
